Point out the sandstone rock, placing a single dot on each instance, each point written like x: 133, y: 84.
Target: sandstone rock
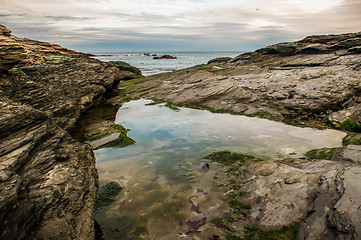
x: 127, y: 67
x: 48, y: 181
x: 4, y: 31
x: 220, y: 60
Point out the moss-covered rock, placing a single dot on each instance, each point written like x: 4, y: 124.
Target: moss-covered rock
x: 99, y: 131
x: 351, y: 126
x: 352, y: 138
x: 322, y: 153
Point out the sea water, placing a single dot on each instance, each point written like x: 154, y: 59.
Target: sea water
x: 150, y: 66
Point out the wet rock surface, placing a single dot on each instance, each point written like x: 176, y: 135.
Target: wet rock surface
x: 48, y: 179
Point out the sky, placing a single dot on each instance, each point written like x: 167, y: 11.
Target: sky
x: 177, y: 25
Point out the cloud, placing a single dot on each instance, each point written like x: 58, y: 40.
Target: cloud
x: 178, y: 24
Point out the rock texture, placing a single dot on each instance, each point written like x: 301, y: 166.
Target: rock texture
x: 311, y: 80
x: 318, y: 199
x: 48, y: 180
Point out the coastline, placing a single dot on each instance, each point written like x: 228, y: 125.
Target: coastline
x: 49, y: 180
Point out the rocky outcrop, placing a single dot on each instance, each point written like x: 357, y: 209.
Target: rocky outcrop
x: 315, y: 199
x: 220, y: 60
x: 165, y: 57
x: 305, y: 82
x: 48, y: 180
x: 127, y: 67
x: 312, y: 82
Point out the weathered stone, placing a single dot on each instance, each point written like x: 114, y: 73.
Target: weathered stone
x: 300, y: 83
x: 345, y: 217
x: 220, y: 60
x: 48, y: 180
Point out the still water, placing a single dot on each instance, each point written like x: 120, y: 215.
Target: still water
x: 167, y: 194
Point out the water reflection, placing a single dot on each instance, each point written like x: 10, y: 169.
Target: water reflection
x: 166, y: 191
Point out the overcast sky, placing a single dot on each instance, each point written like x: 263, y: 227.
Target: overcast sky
x: 177, y: 25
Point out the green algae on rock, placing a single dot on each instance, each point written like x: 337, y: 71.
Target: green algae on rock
x: 107, y: 134
x: 228, y: 158
x: 352, y: 138
x: 323, y: 153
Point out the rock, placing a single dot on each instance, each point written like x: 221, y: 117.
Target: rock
x: 220, y: 60
x: 301, y: 83
x: 127, y: 67
x: 105, y: 140
x: 48, y: 180
x: 345, y: 217
x: 165, y: 57
x: 4, y: 31
x: 350, y: 153
x: 105, y: 134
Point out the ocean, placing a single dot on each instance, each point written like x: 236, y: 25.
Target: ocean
x: 150, y: 66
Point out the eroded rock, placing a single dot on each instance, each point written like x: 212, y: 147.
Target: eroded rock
x: 303, y: 83
x: 48, y: 180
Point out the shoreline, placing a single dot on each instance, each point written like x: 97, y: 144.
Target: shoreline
x: 47, y: 175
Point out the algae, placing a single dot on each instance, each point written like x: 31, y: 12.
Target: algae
x: 322, y: 153
x: 168, y: 104
x: 122, y: 141
x: 107, y: 193
x: 265, y: 115
x: 284, y: 233
x: 351, y: 126
x: 228, y: 158
x: 352, y: 138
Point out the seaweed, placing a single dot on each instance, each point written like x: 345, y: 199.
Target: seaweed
x: 322, y: 153
x: 228, y: 158
x: 107, y: 193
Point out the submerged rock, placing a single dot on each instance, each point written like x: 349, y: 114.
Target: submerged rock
x: 48, y: 180
x: 107, y: 194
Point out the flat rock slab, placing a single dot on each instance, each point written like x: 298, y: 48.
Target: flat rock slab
x: 352, y: 153
x: 105, y: 140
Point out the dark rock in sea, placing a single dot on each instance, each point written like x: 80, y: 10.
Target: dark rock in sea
x: 165, y: 57
x: 48, y: 180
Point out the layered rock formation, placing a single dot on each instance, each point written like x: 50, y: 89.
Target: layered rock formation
x: 48, y: 180
x: 314, y: 79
